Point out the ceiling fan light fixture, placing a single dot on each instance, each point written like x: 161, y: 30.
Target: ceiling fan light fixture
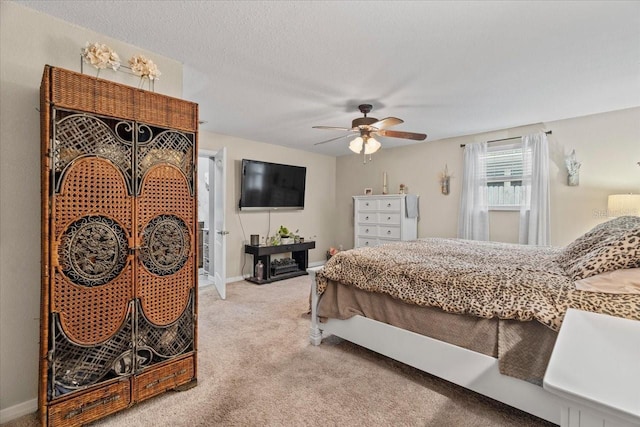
x: 371, y: 146
x: 356, y: 145
x: 370, y: 126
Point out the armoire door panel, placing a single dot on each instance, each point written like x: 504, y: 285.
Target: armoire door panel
x: 92, y: 268
x: 166, y: 263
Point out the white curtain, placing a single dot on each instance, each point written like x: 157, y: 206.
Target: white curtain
x: 534, y: 209
x: 473, y: 220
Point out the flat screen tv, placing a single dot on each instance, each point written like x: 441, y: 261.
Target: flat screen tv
x: 271, y: 186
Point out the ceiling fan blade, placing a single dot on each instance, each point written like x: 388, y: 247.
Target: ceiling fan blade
x: 400, y: 134
x: 331, y: 128
x: 333, y: 139
x: 387, y: 122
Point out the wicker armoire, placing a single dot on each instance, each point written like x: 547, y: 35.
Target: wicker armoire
x: 119, y: 272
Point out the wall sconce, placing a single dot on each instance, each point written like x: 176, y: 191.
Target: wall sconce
x: 573, y: 169
x: 445, y: 179
x: 623, y: 204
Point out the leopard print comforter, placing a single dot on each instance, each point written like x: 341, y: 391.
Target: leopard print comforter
x: 484, y: 279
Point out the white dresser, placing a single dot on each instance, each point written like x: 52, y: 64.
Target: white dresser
x: 382, y: 219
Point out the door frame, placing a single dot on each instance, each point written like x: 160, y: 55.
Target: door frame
x: 211, y: 155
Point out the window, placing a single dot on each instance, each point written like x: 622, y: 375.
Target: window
x: 505, y: 173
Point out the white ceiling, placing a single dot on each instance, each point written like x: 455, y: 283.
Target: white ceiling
x: 270, y: 70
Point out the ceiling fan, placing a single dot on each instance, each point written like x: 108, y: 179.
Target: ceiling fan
x: 368, y: 127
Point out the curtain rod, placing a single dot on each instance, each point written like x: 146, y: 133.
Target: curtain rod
x: 506, y: 139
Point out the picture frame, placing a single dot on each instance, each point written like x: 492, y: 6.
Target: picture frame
x: 368, y: 191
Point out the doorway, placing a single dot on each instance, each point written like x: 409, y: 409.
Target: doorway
x: 211, y: 220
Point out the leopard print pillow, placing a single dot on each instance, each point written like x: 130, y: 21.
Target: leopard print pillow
x: 612, y: 253
x: 583, y: 244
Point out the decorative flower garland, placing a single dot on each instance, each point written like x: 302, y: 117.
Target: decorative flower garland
x: 100, y: 56
x: 143, y: 67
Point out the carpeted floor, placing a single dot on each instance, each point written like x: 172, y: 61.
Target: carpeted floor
x: 257, y: 368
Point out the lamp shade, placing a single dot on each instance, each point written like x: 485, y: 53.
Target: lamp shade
x: 371, y: 146
x: 356, y: 145
x: 623, y: 204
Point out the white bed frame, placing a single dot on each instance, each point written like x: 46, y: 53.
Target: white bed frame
x: 458, y: 365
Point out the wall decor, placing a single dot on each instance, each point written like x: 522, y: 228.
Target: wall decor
x: 445, y: 179
x: 368, y: 191
x: 385, y: 189
x: 573, y: 169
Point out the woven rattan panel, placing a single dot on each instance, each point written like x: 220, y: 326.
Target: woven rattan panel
x: 92, y: 223
x: 92, y: 186
x: 163, y: 110
x: 165, y: 193
x: 92, y: 315
x: 82, y: 92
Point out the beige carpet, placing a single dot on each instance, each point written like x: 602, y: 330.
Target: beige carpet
x: 257, y: 368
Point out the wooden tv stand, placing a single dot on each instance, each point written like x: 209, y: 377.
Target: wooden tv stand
x: 299, y: 253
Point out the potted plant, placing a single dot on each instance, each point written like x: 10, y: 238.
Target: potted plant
x: 286, y: 236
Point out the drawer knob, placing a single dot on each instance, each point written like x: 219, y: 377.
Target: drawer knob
x: 366, y: 204
x: 366, y: 231
x: 366, y: 243
x: 388, y: 231
x: 388, y: 205
x: 388, y: 218
x: 366, y: 218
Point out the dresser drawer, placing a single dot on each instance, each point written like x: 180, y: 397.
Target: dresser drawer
x: 91, y: 405
x: 390, y: 205
x: 368, y: 230
x: 389, y: 218
x: 389, y: 232
x: 367, y: 218
x: 364, y: 242
x: 167, y: 377
x: 366, y: 205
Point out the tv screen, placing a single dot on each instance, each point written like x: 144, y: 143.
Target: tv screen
x: 270, y: 186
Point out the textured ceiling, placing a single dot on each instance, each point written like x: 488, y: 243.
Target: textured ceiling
x: 268, y: 71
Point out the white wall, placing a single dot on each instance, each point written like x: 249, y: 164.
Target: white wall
x: 28, y: 41
x: 317, y: 219
x: 608, y: 145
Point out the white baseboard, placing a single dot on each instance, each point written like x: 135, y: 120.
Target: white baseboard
x: 317, y: 263
x: 16, y: 411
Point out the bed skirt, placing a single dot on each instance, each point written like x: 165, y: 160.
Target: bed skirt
x: 523, y: 349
